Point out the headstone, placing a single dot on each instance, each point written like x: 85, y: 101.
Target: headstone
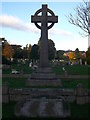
x: 44, y: 20
x: 80, y: 61
x: 44, y: 75
x: 85, y: 62
x: 30, y: 64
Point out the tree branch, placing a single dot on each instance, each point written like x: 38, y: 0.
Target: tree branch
x: 81, y: 19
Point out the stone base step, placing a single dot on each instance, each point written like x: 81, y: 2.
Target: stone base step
x: 52, y: 83
x: 44, y: 70
x: 43, y: 76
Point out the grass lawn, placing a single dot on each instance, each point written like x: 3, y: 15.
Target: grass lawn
x: 75, y: 69
x: 15, y: 82
x: 58, y: 70
x: 8, y: 110
x: 72, y: 70
x: 80, y: 111
x: 72, y: 83
x: 66, y: 83
x: 24, y: 67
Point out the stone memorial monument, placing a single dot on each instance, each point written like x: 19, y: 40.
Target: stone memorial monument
x: 44, y: 20
x: 42, y: 104
x: 44, y: 75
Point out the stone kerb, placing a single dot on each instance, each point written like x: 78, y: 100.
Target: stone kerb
x: 6, y: 67
x: 5, y: 93
x: 18, y: 94
x: 81, y: 94
x: 70, y: 95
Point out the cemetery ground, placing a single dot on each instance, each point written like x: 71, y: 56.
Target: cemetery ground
x: 18, y: 81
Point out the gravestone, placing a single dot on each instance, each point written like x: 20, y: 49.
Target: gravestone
x: 44, y: 20
x: 44, y: 75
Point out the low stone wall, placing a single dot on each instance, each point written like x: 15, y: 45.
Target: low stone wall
x: 80, y: 95
x: 6, y: 67
x: 19, y: 94
x: 5, y: 93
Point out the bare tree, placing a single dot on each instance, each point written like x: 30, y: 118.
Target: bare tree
x: 82, y: 17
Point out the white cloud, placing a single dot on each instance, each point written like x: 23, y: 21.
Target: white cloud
x: 72, y: 43
x: 56, y: 31
x: 15, y: 23
x: 63, y: 40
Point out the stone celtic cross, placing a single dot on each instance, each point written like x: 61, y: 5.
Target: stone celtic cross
x: 44, y: 19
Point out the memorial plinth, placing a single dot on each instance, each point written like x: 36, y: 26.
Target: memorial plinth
x: 44, y: 75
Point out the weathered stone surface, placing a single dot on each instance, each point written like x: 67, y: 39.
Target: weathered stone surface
x: 82, y: 96
x: 5, y: 98
x: 42, y: 108
x: 5, y: 93
x: 17, y: 94
x: 43, y: 83
x: 44, y: 20
x: 5, y: 88
x: 44, y: 74
x: 44, y: 70
x: 43, y: 77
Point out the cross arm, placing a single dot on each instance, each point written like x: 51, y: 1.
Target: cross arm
x: 36, y: 19
x: 50, y: 19
x: 53, y: 19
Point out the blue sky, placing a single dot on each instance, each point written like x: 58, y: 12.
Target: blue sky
x: 15, y: 22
